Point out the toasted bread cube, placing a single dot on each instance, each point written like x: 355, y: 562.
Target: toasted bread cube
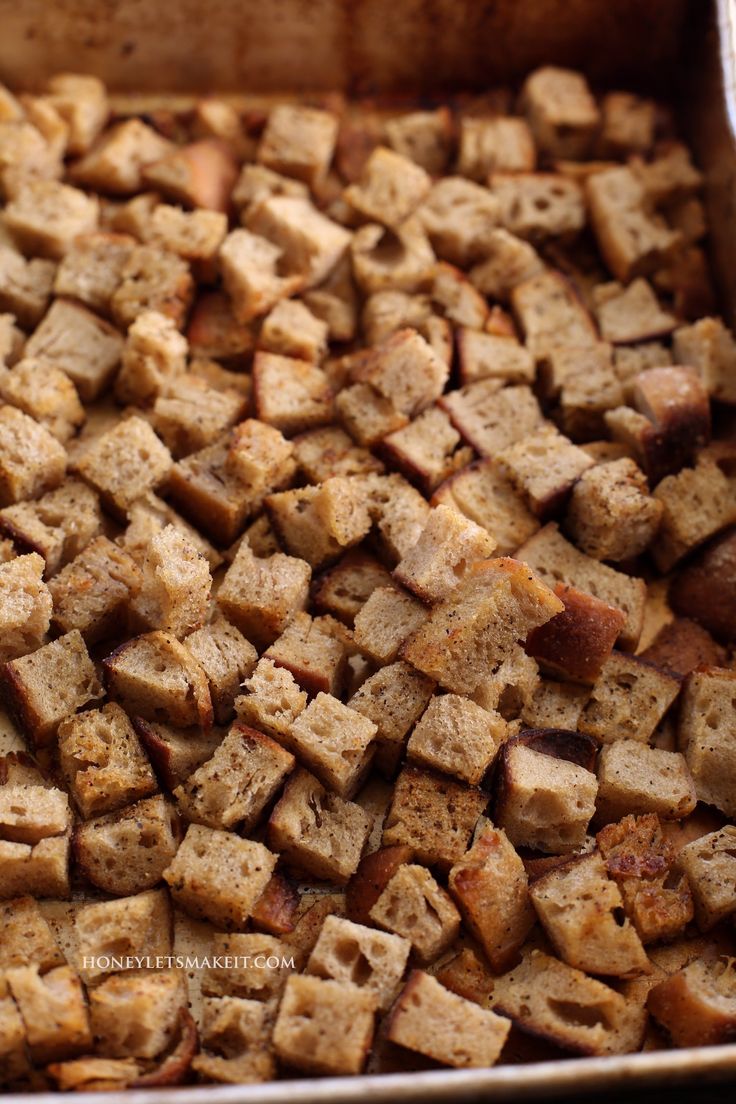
x: 696, y: 504
x: 704, y: 589
x: 697, y: 1005
x: 385, y: 621
x: 92, y: 592
x: 201, y: 174
x: 50, y: 684
x: 41, y: 869
x: 682, y: 645
x: 576, y: 642
x: 544, y: 467
x: 191, y: 414
x: 139, y: 1015
x: 433, y: 815
x: 108, y: 849
x: 507, y: 262
x: 423, y: 136
x: 311, y: 243
x: 670, y: 175
x: 704, y: 735
x: 260, y: 596
x: 630, y: 314
x: 322, y: 453
x: 124, y: 463
x: 548, y: 998
x: 115, y: 162
x: 710, y: 866
x: 273, y: 700
x: 368, y: 416
x: 627, y: 123
x: 556, y: 560
x: 231, y: 789
x: 28, y: 937
x: 45, y: 393
x: 25, y: 606
x: 317, y: 831
x: 414, y: 906
x: 335, y: 301
x: 30, y: 813
x: 324, y: 1026
x: 315, y: 650
x: 405, y: 370
x: 561, y: 112
x: 153, y: 279
x: 633, y: 242
x: 485, y: 494
x: 447, y: 546
x: 317, y: 523
x: 630, y: 360
x: 554, y: 705
x: 255, y: 966
x: 82, y: 103
x: 393, y: 698
x: 176, y: 752
x: 344, y: 589
x: 389, y: 188
x: 298, y: 141
x: 477, y: 626
x: 291, y: 395
x: 291, y: 330
x: 149, y: 515
x: 510, y: 686
x: 46, y: 216
x: 628, y: 701
x: 84, y: 346
x: 236, y: 1041
x: 102, y: 761
x: 398, y: 259
x: 708, y: 346
x: 545, y: 803
x: 375, y: 871
x: 194, y: 235
x: 218, y: 876
x: 584, y: 381
x: 491, y: 418
x: 489, y: 886
x: 353, y: 953
x: 634, y: 778
x: 32, y: 461
x: 25, y: 285
x: 456, y: 736
x: 156, y: 677
x: 155, y: 353
x: 226, y: 657
x: 460, y: 219
x: 453, y: 1031
x: 252, y: 272
x: 467, y: 975
x: 500, y: 144
x: 491, y: 356
x: 128, y: 926
x: 428, y: 450
x: 175, y: 589
x: 577, y: 904
x: 538, y: 206
x: 335, y: 742
x: 611, y: 515
x: 53, y: 1009
x: 551, y: 315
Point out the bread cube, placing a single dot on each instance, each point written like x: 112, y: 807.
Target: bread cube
x: 393, y: 699
x: 386, y: 619
x: 236, y: 1041
x: 704, y: 735
x: 149, y: 515
x: 115, y: 162
x: 696, y: 504
x: 550, y: 999
x: 447, y: 546
x: 360, y: 955
x: 291, y: 330
x: 428, y: 449
x: 41, y: 869
x: 507, y: 262
x: 561, y: 112
x: 32, y: 461
x: 200, y: 174
x: 50, y: 684
x: 628, y: 701
x: 30, y: 813
x: 256, y: 182
x: 311, y: 243
x: 54, y: 1011
x: 389, y: 188
x: 45, y: 393
x: 139, y: 924
x: 175, y: 589
x: 510, y: 686
x: 152, y: 279
x: 405, y: 370
x: 124, y: 463
x: 45, y: 217
x: 633, y: 242
x: 709, y: 347
x: 433, y: 815
x: 81, y: 344
x: 334, y: 742
x: 218, y: 876
x: 630, y: 314
x: 669, y: 175
x: 231, y: 789
x: 554, y: 705
x: 28, y: 937
x: 484, y: 493
x: 154, y: 354
x: 156, y: 677
x: 551, y: 315
x: 641, y: 860
x: 477, y: 625
x: 25, y: 606
x: 137, y: 1015
x: 328, y: 451
x: 82, y: 102
x: 456, y: 736
x: 316, y: 831
x: 253, y: 274
x: 583, y: 381
x: 710, y: 866
x: 423, y: 136
x: 273, y: 699
x: 254, y: 965
x: 298, y: 141
x: 261, y: 596
x: 194, y: 235
x: 92, y: 593
x: 627, y: 123
x: 430, y: 1019
x: 190, y: 414
x: 315, y: 650
x: 411, y: 904
x: 499, y: 144
x: 25, y: 285
x: 682, y: 645
x: 399, y: 259
x: 697, y: 1005
x: 489, y: 886
x: 108, y: 848
x: 544, y: 467
x: 576, y: 642
x: 460, y: 219
x: 291, y: 395
x: 544, y: 802
x: 555, y: 560
x: 324, y: 1026
x: 634, y: 778
x: 226, y: 657
x: 611, y: 515
x: 704, y: 589
x: 176, y: 752
x: 491, y: 418
x: 344, y: 589
x: 538, y: 206
x: 317, y: 523
x: 491, y: 356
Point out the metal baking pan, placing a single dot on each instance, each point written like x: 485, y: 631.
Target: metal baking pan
x: 681, y: 50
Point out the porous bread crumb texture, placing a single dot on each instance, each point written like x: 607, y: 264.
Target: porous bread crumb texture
x: 353, y: 460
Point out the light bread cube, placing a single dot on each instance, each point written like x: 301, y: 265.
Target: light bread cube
x: 156, y: 677
x: 93, y: 592
x: 611, y: 515
x: 260, y: 596
x: 458, y: 737
x: 393, y: 698
x: 499, y: 144
x: 460, y: 218
x: 411, y: 904
x: 108, y: 848
x: 324, y: 1026
x: 710, y: 867
x: 137, y: 1016
x: 45, y: 393
x: 561, y: 111
x: 226, y: 658
x: 32, y: 461
x: 81, y: 344
x: 154, y: 355
x: 433, y: 815
x: 423, y: 136
x: 311, y: 243
x: 25, y: 606
x: 704, y: 735
x: 54, y: 1011
x: 360, y: 955
x: 485, y: 494
x: 46, y: 216
x: 298, y: 141
x: 25, y: 285
x: 115, y: 162
x: 635, y: 778
x: 389, y: 188
x: 628, y: 701
x: 131, y: 925
x: 175, y: 588
x: 273, y: 699
x: 200, y: 174
x: 124, y: 463
x: 333, y: 741
x: 152, y: 279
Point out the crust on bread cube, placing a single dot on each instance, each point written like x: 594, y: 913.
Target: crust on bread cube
x: 411, y: 904
x: 335, y: 742
x: 458, y: 737
x: 156, y: 677
x: 92, y: 593
x: 108, y: 848
x: 633, y: 241
x: 544, y: 802
x: 25, y: 606
x: 54, y: 1011
x: 261, y: 596
x: 710, y: 866
x: 175, y: 753
x: 705, y: 735
x: 139, y: 924
x: 433, y: 815
x: 315, y: 650
x: 30, y: 813
x: 200, y: 174
x: 490, y: 887
x: 709, y: 347
x: 50, y: 684
x: 45, y: 216
x: 394, y: 699
x: 218, y: 876
x: 351, y: 952
x: 636, y: 778
x: 227, y: 658
x: 317, y: 831
x: 577, y: 641
x: 697, y: 1005
x: 628, y: 700
x: 611, y: 515
x: 231, y: 790
x: 444, y: 1026
x: 102, y: 761
x: 389, y: 188
x: 324, y: 1026
x: 32, y: 461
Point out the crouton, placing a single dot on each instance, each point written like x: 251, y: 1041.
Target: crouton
x: 190, y: 414
x: 201, y: 174
x: 405, y: 370
x: 93, y: 591
x: 324, y: 1026
x: 550, y: 314
x: 45, y: 217
x: 477, y: 626
x: 389, y: 188
x: 154, y: 354
x: 490, y: 356
x: 628, y: 701
x: 423, y: 136
x: 194, y: 235
x: 291, y: 395
x: 291, y: 330
x: 32, y: 461
x: 704, y: 589
x: 124, y: 463
x: 45, y: 393
x: 31, y: 813
x: 467, y: 975
x: 82, y: 103
x: 484, y: 493
x: 253, y: 274
x: 428, y: 450
x: 696, y: 1005
x: 81, y: 344
x: 411, y: 904
x: 368, y: 416
x: 138, y: 1015
x: 544, y: 802
x: 491, y: 418
x: 709, y: 347
x: 53, y: 1009
x: 156, y: 677
x: 634, y: 778
x: 334, y: 741
x: 108, y: 848
x: 432, y: 815
x: 633, y: 241
x: 317, y: 831
x: 152, y: 279
x: 25, y: 606
x: 317, y: 523
x: 456, y: 736
x: 236, y: 1041
x: 556, y: 560
x: 444, y: 1026
x: 175, y: 753
x: 538, y: 206
x: 669, y: 175
x: 28, y: 937
x: 232, y: 789
x: 311, y: 243
x: 682, y: 645
x: 273, y: 700
x: 25, y: 285
x: 256, y: 182
x: 510, y: 685
x: 227, y: 658
x: 627, y: 123
x: 448, y: 545
x: 298, y: 141
x: 544, y: 467
x: 499, y: 144
x: 175, y: 588
x: 393, y: 699
x: 258, y: 967
x: 127, y: 926
x: 611, y: 515
x: 704, y: 735
x: 322, y: 453
x: 50, y: 684
x: 40, y: 869
x: 561, y: 112
x: 627, y: 315
x: 630, y: 360
x: 386, y: 619
x: 218, y: 876
x: 460, y: 219
x: 315, y: 650
x: 115, y: 162
x: 353, y: 953
x: 260, y: 596
x: 710, y: 867
x: 344, y: 589
x: 554, y: 704
x: 489, y: 886
x: 582, y: 380
x: 696, y: 504
x: 383, y: 258
x: 149, y: 515
x: 576, y: 642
